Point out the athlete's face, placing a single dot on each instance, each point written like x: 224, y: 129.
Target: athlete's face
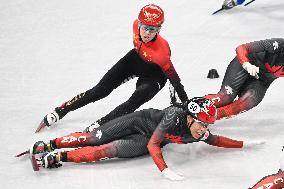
x: 197, y: 129
x: 148, y: 33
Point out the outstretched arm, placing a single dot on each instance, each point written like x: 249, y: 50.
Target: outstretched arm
x: 224, y: 142
x: 221, y: 141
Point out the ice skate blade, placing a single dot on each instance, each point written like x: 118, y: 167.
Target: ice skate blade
x: 34, y: 163
x: 23, y: 153
x: 41, y: 126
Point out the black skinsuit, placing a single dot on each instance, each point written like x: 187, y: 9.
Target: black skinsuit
x: 151, y: 79
x: 268, y: 55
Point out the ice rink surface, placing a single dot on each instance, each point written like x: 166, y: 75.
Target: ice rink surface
x: 52, y: 50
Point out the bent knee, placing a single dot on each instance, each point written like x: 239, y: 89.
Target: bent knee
x: 251, y: 99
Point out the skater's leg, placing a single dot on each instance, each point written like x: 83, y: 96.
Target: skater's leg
x: 251, y: 95
x: 108, y: 132
x: 121, y: 72
x: 146, y: 89
x: 234, y: 78
x: 128, y: 147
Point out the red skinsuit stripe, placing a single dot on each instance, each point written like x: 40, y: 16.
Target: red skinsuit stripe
x: 225, y: 142
x: 91, y: 153
x: 73, y: 140
x: 242, y: 53
x: 155, y: 150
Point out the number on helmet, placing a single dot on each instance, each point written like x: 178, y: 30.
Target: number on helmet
x: 193, y: 107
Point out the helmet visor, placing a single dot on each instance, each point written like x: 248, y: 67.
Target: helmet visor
x: 150, y: 29
x: 201, y: 123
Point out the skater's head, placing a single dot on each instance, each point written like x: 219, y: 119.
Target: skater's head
x: 151, y: 15
x: 151, y: 18
x: 201, y: 113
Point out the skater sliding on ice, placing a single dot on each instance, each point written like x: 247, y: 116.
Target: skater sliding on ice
x: 149, y: 60
x: 136, y: 134
x: 248, y: 76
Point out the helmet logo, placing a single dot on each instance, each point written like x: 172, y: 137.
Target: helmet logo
x: 228, y: 89
x: 214, y: 100
x: 151, y: 17
x: 207, y: 104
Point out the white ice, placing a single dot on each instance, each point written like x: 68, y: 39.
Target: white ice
x: 52, y: 50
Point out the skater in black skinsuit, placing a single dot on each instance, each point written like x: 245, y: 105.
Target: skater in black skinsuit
x: 248, y: 76
x: 140, y: 133
x: 149, y: 61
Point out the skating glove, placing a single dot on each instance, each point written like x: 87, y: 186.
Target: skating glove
x: 250, y: 144
x: 171, y: 175
x: 228, y: 4
x: 251, y: 69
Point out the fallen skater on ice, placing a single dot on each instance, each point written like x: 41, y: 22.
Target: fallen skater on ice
x: 136, y: 134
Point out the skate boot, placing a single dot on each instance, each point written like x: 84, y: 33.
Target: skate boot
x: 41, y: 147
x: 52, y: 118
x: 37, y: 148
x: 51, y: 160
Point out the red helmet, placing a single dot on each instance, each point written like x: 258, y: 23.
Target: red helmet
x: 202, y: 109
x: 151, y: 15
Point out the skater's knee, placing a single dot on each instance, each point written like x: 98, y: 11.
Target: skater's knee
x: 99, y: 92
x: 146, y: 92
x: 250, y: 99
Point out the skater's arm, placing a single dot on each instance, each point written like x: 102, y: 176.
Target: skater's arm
x: 155, y: 149
x: 168, y: 121
x: 174, y: 78
x: 269, y: 45
x: 221, y: 141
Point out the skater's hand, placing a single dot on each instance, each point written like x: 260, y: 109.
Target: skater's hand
x: 171, y: 175
x: 251, y: 69
x: 228, y: 4
x: 250, y: 144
